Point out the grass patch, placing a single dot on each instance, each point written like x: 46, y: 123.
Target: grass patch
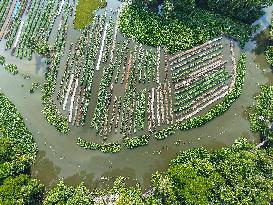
x: 85, y: 12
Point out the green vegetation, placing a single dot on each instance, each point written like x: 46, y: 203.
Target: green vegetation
x: 262, y: 118
x: 21, y: 190
x: 269, y: 50
x: 85, y: 12
x: 215, y: 111
x: 2, y: 60
x: 17, y: 153
x: 134, y: 142
x: 62, y: 194
x: 179, y: 32
x: 34, y: 86
x: 17, y: 146
x: 269, y: 55
x: 11, y: 68
x: 246, y: 11
x: 241, y: 174
x: 106, y: 148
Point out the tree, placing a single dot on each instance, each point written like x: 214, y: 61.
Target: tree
x: 171, y: 7
x: 241, y: 174
x: 261, y: 119
x: 247, y: 10
x: 7, y: 150
x: 63, y: 194
x: 21, y: 190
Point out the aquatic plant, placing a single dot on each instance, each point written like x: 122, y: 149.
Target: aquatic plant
x: 13, y: 69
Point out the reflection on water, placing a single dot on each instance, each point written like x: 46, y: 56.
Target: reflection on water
x: 262, y: 24
x: 60, y: 157
x: 77, y: 178
x: 45, y: 170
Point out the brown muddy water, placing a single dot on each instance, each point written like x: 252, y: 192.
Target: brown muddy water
x: 60, y: 157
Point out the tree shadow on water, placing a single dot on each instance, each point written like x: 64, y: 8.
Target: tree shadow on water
x: 45, y: 170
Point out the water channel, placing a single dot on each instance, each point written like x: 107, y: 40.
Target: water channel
x: 60, y: 157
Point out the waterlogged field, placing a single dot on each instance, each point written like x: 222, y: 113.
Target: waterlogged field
x: 106, y: 92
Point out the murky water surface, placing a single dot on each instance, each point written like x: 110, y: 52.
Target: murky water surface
x: 60, y: 157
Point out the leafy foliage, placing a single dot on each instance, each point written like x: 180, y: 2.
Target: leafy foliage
x: 62, y: 194
x: 179, y: 33
x: 262, y: 118
x: 85, y: 12
x: 178, y: 6
x: 106, y: 148
x: 236, y: 175
x: 2, y: 60
x: 247, y: 11
x: 269, y: 55
x: 130, y: 195
x: 134, y: 142
x: 269, y: 50
x: 17, y: 147
x: 21, y: 190
x: 11, y: 68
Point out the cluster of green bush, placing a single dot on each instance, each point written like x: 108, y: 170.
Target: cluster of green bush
x: 178, y: 29
x: 241, y: 174
x: 246, y: 11
x: 261, y: 119
x: 133, y: 142
x: 11, y: 68
x: 106, y: 148
x: 269, y: 50
x: 17, y: 154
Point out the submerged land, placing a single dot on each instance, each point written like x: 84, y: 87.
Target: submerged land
x: 136, y: 102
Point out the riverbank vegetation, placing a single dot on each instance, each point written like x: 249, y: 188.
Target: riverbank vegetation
x: 269, y: 50
x: 11, y: 68
x: 17, y: 154
x: 105, y: 148
x: 226, y: 176
x: 85, y: 12
x: 261, y: 118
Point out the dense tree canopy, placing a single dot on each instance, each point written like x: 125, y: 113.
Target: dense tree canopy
x: 244, y: 10
x: 17, y: 147
x: 262, y: 117
x: 21, y: 190
x: 241, y: 174
x: 63, y: 194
